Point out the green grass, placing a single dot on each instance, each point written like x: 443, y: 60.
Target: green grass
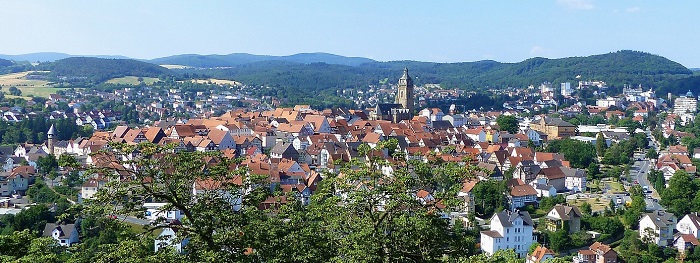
x: 616, y: 187
x: 38, y: 91
x: 131, y: 80
x: 138, y: 229
x: 596, y: 206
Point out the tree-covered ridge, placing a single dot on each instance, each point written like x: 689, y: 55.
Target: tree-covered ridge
x: 5, y: 63
x: 96, y: 70
x: 236, y: 59
x: 617, y: 68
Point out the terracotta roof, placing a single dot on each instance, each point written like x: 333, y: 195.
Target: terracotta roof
x: 539, y: 253
x: 468, y: 185
x: 522, y: 190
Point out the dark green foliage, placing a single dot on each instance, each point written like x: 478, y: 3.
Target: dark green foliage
x: 489, y: 196
x: 681, y: 193
x: 546, y: 203
x: 33, y: 218
x: 87, y: 70
x: 632, y: 249
x: 559, y: 240
x: 33, y: 130
x: 617, y: 68
x: 605, y: 225
x: 580, y: 154
x: 508, y: 123
x: 47, y: 164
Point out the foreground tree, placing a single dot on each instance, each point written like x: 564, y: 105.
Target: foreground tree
x: 214, y: 220
x: 358, y: 215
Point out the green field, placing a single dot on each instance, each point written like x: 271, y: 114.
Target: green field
x: 38, y: 91
x: 131, y: 80
x: 597, y: 204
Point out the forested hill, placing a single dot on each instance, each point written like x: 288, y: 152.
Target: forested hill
x: 90, y: 70
x: 618, y: 68
x: 5, y: 63
x: 237, y: 59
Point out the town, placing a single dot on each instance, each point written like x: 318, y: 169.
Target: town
x: 544, y: 176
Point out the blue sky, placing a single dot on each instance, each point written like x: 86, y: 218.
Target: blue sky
x: 440, y: 31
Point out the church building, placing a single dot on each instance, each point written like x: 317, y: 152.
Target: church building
x: 402, y: 108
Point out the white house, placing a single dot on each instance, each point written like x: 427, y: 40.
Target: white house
x: 154, y: 212
x: 169, y: 238
x: 508, y: 230
x: 222, y: 139
x: 689, y: 225
x: 456, y: 120
x: 657, y: 227
x: 66, y: 235
x: 319, y: 123
x: 90, y: 187
x: 477, y: 135
x: 575, y: 180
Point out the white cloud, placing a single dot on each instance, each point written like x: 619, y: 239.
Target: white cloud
x: 577, y: 4
x: 633, y: 9
x: 537, y: 50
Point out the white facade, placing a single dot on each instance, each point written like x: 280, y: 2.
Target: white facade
x: 685, y: 104
x: 169, y: 238
x: 657, y: 228
x: 508, y: 230
x: 689, y: 224
x: 607, y: 102
x: 456, y: 120
x: 566, y: 89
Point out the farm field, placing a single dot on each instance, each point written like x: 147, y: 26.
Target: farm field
x: 132, y: 80
x: 19, y: 80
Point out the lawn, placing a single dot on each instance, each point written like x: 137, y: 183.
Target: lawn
x: 138, y: 229
x: 131, y: 80
x: 596, y: 206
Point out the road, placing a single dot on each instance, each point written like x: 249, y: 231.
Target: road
x: 639, y: 173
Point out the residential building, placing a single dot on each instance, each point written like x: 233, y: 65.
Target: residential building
x: 564, y: 217
x: 554, y: 127
x: 596, y: 253
x: 540, y: 254
x: 657, y: 227
x: 66, y: 235
x: 685, y: 242
x: 685, y: 104
x: 689, y: 225
x: 508, y: 230
x: 521, y: 194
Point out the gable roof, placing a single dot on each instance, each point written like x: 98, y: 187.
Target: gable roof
x: 539, y: 253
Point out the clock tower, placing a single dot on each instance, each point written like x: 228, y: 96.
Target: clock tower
x: 404, y: 95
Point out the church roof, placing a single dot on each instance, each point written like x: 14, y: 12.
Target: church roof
x: 51, y: 131
x: 406, y: 77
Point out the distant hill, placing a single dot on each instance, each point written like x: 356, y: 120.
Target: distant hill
x: 5, y: 63
x: 50, y: 56
x: 89, y: 70
x: 617, y: 69
x: 237, y: 59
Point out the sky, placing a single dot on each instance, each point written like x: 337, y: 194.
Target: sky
x: 437, y: 31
